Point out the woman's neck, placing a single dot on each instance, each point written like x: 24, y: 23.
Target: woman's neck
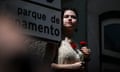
x: 68, y: 32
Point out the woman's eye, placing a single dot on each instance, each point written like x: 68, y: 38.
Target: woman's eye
x: 73, y: 17
x: 66, y: 16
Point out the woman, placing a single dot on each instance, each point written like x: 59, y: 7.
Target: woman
x: 70, y: 58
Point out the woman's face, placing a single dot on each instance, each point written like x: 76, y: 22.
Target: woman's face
x: 69, y: 19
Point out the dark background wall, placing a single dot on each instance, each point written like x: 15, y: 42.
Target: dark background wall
x: 95, y: 8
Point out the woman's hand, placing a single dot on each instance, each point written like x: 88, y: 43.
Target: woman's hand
x: 85, y: 50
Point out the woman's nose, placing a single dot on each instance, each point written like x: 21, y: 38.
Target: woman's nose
x: 70, y: 19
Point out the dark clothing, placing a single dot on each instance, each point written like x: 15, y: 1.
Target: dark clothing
x: 70, y: 70
x: 20, y: 64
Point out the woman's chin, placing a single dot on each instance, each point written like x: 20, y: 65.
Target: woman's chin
x: 69, y: 27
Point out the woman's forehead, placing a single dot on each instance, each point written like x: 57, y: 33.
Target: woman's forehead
x: 69, y: 12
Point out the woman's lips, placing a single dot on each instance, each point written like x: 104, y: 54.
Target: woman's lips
x: 68, y: 25
x: 69, y: 22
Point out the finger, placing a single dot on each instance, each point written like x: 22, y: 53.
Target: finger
x: 84, y: 47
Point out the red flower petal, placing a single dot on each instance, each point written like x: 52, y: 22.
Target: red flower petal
x: 73, y: 45
x: 83, y: 43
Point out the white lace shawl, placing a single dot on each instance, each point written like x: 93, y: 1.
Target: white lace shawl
x: 67, y: 54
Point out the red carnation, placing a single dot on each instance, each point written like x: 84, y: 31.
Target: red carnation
x: 83, y: 43
x: 73, y: 45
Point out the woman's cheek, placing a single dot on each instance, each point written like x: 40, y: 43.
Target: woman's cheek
x: 74, y: 21
x: 64, y: 21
